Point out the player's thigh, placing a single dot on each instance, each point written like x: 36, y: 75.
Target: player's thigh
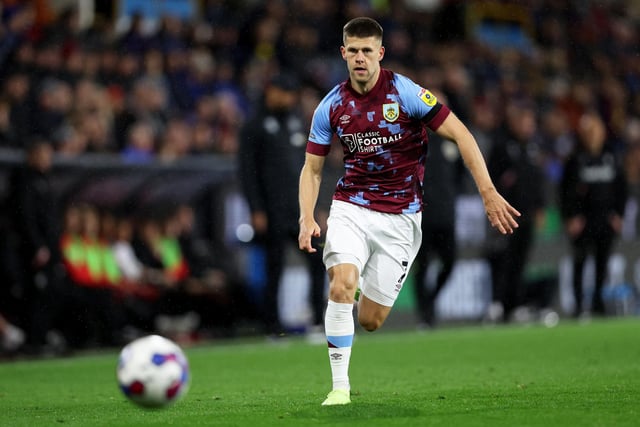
x: 396, y: 247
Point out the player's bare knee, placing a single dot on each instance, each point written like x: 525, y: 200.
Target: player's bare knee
x: 370, y: 325
x: 341, y: 293
x: 342, y: 286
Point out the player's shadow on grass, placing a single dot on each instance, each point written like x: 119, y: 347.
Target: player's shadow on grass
x: 360, y: 411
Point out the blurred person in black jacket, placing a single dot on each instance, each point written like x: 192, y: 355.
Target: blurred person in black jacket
x: 444, y: 170
x: 593, y: 194
x: 272, y: 152
x: 36, y: 221
x: 514, y: 166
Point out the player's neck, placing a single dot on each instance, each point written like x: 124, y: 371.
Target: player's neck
x: 365, y: 88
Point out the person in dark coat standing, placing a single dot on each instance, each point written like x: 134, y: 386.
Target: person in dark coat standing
x: 593, y: 195
x: 272, y: 151
x: 514, y: 167
x: 444, y: 170
x: 37, y: 222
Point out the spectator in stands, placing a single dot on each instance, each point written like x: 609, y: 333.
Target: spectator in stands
x: 227, y: 122
x: 17, y: 21
x: 93, y: 116
x: 557, y: 141
x: 201, y: 73
x: 485, y: 122
x: 141, y: 286
x: 147, y: 101
x: 96, y: 131
x: 48, y: 62
x: 16, y: 88
x: 107, y: 73
x: 592, y: 197
x: 153, y: 69
x: 100, y: 319
x: 135, y: 39
x: 177, y: 72
x: 72, y: 245
x: 203, y: 138
x: 171, y: 34
x: 140, y: 146
x: 69, y: 142
x: 133, y: 271
x: 145, y: 242
x: 176, y: 141
x: 54, y: 103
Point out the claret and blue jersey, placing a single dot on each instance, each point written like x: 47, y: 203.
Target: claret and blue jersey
x: 384, y: 139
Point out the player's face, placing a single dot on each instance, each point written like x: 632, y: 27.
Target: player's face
x: 363, y: 56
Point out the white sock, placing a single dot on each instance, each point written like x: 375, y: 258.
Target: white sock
x: 339, y: 328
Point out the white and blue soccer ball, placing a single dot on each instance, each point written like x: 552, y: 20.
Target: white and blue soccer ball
x: 153, y: 371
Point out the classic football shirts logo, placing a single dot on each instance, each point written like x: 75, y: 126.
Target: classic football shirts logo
x: 367, y: 142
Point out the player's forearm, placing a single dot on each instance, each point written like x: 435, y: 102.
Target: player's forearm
x: 476, y: 164
x: 309, y: 188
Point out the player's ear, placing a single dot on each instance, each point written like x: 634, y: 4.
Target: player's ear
x: 343, y: 52
x: 381, y: 53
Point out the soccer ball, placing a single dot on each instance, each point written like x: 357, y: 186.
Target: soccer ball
x: 153, y: 371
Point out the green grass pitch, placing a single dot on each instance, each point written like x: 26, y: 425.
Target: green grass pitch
x: 571, y: 375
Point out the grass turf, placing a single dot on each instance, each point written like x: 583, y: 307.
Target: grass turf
x: 571, y: 375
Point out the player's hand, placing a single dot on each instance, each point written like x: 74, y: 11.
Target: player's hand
x: 259, y: 222
x: 575, y: 225
x: 308, y: 229
x: 501, y: 214
x: 42, y: 257
x: 616, y: 223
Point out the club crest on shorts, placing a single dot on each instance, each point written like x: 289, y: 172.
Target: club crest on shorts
x: 391, y: 111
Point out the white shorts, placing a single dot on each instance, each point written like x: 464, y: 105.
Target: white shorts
x: 382, y: 246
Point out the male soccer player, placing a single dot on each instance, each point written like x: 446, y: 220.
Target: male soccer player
x: 374, y: 230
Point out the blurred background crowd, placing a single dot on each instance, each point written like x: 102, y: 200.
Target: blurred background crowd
x: 126, y: 86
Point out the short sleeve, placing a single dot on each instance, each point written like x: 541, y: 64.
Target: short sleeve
x: 420, y: 103
x: 321, y: 133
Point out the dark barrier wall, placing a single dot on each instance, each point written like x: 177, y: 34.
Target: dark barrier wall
x: 107, y: 182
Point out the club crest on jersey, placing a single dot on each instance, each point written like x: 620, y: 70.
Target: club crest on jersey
x: 427, y: 97
x: 391, y: 111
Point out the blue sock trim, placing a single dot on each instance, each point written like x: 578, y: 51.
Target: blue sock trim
x: 340, y: 341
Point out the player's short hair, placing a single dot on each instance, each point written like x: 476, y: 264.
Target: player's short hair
x: 362, y: 27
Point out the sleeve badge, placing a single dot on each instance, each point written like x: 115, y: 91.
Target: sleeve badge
x: 427, y: 97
